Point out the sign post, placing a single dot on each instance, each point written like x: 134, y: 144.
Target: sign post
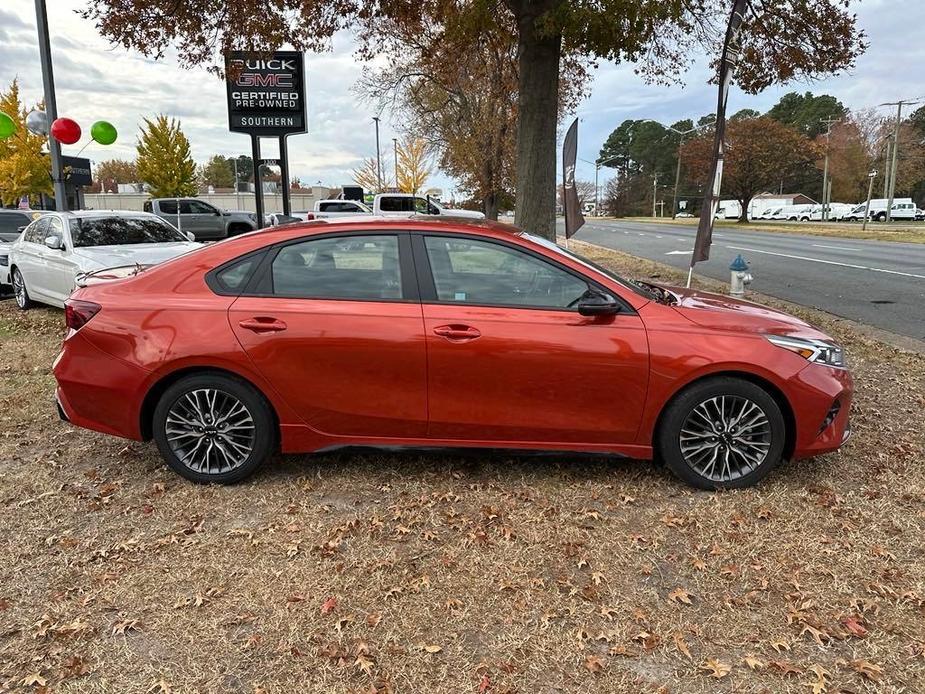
x: 266, y: 98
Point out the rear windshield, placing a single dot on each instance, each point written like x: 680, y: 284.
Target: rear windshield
x: 10, y: 223
x: 120, y: 231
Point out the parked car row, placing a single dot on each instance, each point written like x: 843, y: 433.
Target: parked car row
x: 903, y: 209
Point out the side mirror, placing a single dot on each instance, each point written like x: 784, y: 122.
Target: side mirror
x: 190, y: 235
x: 54, y: 243
x: 598, y: 304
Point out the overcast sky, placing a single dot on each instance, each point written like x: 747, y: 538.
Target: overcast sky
x: 96, y: 81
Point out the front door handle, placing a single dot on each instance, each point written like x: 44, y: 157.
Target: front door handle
x: 263, y: 324
x: 457, y: 333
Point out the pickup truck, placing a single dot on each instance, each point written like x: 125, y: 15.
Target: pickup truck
x: 408, y: 204
x: 200, y: 218
x: 325, y: 209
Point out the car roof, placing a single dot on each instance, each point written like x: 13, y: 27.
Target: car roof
x: 415, y: 222
x: 86, y: 214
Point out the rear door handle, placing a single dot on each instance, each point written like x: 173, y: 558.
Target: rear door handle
x: 457, y: 333
x: 263, y: 324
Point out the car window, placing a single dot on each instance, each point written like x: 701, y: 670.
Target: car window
x: 423, y: 206
x: 168, y: 206
x: 396, y: 204
x: 147, y: 206
x: 36, y: 231
x: 197, y: 207
x: 120, y: 231
x: 470, y: 271
x: 11, y: 221
x: 347, y: 267
x: 235, y: 276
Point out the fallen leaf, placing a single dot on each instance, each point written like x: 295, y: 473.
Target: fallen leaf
x: 853, y: 625
x: 785, y: 668
x: 867, y: 669
x: 821, y: 683
x: 328, y: 605
x: 594, y: 663
x: 753, y: 662
x: 33, y: 680
x: 716, y: 668
x: 681, y: 644
x: 484, y: 684
x: 680, y: 595
x: 432, y: 648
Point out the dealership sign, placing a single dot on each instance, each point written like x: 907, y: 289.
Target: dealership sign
x: 266, y: 93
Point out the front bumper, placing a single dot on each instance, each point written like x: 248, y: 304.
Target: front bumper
x: 821, y: 397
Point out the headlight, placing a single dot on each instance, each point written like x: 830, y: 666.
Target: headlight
x: 816, y: 351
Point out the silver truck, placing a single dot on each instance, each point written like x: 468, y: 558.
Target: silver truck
x: 203, y: 220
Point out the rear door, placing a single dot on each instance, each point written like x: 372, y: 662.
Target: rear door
x: 334, y: 323
x: 509, y: 357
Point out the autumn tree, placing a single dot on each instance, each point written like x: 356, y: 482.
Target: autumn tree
x: 110, y: 173
x: 759, y: 153
x: 218, y: 172
x: 24, y: 168
x: 367, y: 174
x: 413, y: 165
x: 164, y: 160
x: 780, y: 41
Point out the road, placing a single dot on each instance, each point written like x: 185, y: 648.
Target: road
x: 878, y: 283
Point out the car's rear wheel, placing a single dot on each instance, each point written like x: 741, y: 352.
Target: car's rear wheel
x: 213, y: 428
x: 20, y: 292
x: 722, y: 433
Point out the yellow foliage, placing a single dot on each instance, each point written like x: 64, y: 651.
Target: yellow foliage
x: 414, y: 165
x: 164, y: 161
x: 24, y: 168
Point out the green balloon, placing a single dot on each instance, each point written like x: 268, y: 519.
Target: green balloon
x: 7, y: 126
x: 103, y: 132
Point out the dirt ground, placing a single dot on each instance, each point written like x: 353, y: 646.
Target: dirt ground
x: 445, y: 573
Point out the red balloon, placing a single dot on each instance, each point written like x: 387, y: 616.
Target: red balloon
x: 65, y: 131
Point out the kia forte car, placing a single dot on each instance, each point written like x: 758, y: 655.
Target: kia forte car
x: 440, y: 333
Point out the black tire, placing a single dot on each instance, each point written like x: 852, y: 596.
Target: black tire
x: 20, y: 293
x: 881, y: 217
x: 261, y: 445
x: 676, y: 415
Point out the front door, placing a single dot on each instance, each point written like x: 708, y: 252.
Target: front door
x: 509, y: 357
x: 337, y: 330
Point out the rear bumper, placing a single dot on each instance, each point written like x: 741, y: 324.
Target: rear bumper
x: 821, y: 398
x: 97, y: 391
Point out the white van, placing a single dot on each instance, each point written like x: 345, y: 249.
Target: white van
x: 903, y: 208
x: 796, y: 213
x: 837, y: 211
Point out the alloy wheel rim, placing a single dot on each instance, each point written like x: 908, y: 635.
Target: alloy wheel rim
x: 725, y: 438
x: 210, y: 431
x: 19, y: 289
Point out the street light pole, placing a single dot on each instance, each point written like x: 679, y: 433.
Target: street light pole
x: 654, y: 193
x: 825, y: 169
x: 677, y: 171
x: 378, y: 157
x: 51, y: 105
x: 870, y: 189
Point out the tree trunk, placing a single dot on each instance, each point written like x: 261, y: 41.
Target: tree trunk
x: 538, y: 93
x: 743, y: 211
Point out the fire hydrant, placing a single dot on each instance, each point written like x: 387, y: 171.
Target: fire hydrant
x: 739, y: 276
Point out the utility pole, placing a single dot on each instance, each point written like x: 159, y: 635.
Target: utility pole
x: 237, y: 192
x: 51, y: 105
x: 395, y: 149
x: 378, y: 157
x: 870, y: 189
x: 677, y: 171
x: 825, y: 170
x: 886, y: 168
x: 892, y: 170
x: 654, y: 193
x: 597, y: 167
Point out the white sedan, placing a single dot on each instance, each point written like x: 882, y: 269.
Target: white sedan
x: 45, y: 261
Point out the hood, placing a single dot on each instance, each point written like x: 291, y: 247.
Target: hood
x: 468, y: 214
x: 726, y: 313
x: 98, y: 257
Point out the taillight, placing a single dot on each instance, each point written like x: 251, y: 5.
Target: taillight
x: 78, y: 313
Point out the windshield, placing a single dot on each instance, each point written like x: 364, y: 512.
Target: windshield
x: 120, y: 231
x: 632, y: 286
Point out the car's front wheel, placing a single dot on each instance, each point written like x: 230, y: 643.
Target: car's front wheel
x: 722, y: 433
x: 213, y: 428
x: 20, y: 292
